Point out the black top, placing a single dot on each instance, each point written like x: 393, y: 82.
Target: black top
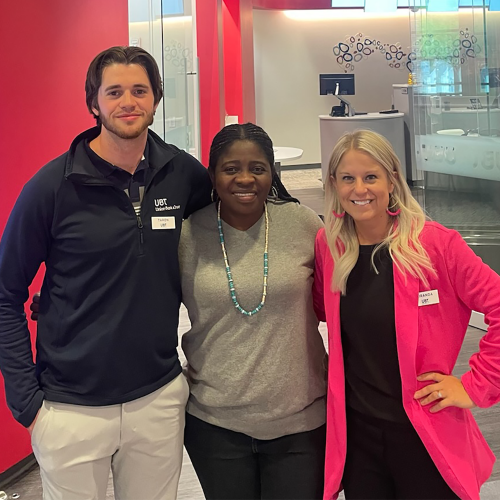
x: 107, y: 328
x: 373, y: 381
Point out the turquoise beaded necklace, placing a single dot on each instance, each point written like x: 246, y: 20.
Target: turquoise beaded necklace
x: 232, y: 290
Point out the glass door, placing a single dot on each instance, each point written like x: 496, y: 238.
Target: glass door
x: 457, y: 121
x: 180, y: 74
x: 167, y: 30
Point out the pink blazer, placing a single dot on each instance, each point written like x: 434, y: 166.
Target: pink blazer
x: 429, y: 338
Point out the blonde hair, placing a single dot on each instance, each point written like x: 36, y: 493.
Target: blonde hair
x: 403, y: 242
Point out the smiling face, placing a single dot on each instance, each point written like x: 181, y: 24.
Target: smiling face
x: 363, y: 188
x: 242, y: 179
x: 125, y: 101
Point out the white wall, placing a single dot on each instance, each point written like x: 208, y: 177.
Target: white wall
x: 289, y: 56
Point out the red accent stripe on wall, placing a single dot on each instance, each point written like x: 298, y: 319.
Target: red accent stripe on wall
x: 225, y: 50
x: 49, y: 47
x: 209, y: 29
x: 247, y: 57
x: 233, y: 84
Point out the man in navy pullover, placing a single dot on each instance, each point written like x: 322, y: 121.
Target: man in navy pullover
x: 106, y: 390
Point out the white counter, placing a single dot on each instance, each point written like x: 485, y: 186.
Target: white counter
x: 331, y: 128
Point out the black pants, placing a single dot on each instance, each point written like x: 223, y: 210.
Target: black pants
x: 389, y: 461
x: 234, y: 466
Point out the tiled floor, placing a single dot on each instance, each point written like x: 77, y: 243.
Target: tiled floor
x: 307, y: 186
x: 301, y: 179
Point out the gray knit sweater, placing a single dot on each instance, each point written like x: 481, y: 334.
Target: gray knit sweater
x: 263, y: 375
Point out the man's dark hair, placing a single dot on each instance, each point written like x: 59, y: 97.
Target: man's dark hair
x: 120, y: 55
x: 247, y: 132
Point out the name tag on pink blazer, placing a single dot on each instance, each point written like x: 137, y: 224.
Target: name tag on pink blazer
x: 428, y: 298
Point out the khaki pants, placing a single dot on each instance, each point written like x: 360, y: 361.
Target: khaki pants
x: 140, y: 441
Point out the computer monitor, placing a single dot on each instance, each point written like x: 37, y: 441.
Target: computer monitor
x: 340, y: 84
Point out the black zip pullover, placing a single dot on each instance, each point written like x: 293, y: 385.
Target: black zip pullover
x: 109, y: 310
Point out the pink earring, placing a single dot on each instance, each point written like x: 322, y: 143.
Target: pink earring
x: 339, y: 216
x: 392, y: 204
x: 393, y: 214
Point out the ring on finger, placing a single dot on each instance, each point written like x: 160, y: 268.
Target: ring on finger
x: 440, y: 396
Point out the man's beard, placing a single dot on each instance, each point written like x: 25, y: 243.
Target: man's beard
x: 124, y: 133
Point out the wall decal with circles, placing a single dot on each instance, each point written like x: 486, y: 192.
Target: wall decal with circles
x: 355, y: 48
x: 456, y: 48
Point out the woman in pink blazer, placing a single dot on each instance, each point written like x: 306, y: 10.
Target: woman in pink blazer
x: 397, y: 292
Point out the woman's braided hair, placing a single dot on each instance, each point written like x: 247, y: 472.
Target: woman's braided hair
x: 248, y: 132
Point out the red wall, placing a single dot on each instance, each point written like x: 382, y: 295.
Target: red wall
x: 49, y: 46
x: 233, y: 77
x: 226, y: 69
x: 239, y: 79
x: 247, y: 60
x: 209, y: 30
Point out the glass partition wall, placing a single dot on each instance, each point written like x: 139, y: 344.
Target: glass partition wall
x: 456, y: 70
x: 167, y: 30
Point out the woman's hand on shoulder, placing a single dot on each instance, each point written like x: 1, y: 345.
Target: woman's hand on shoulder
x: 446, y: 390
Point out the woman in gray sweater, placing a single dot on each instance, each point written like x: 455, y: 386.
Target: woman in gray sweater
x: 255, y: 425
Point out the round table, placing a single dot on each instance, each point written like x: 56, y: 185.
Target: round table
x: 283, y: 153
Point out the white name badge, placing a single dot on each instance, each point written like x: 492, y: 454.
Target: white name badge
x: 428, y: 298
x: 163, y: 222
